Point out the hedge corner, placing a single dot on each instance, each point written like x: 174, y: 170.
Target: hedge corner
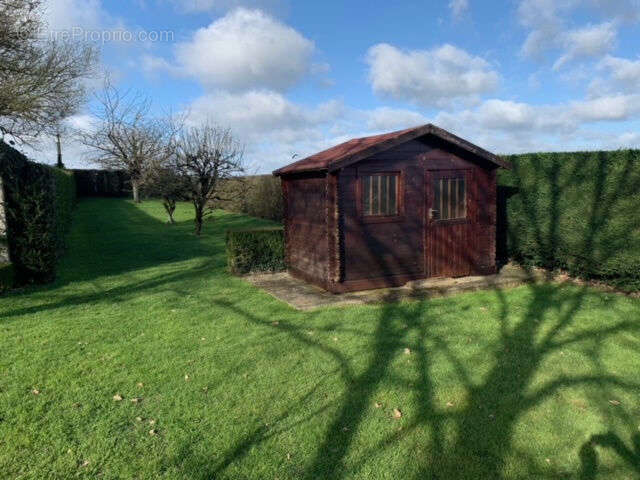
x: 255, y: 250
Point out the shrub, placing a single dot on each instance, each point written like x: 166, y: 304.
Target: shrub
x: 6, y: 276
x: 255, y: 250
x: 577, y: 212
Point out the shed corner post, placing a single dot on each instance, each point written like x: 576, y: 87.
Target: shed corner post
x: 333, y: 231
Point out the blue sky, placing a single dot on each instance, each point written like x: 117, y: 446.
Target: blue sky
x: 296, y: 77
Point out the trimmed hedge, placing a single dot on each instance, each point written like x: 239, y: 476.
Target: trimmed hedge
x: 65, y: 202
x: 255, y: 250
x: 578, y: 212
x: 38, y: 204
x: 102, y: 183
x: 6, y: 276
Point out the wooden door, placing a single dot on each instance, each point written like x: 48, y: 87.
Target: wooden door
x: 449, y: 224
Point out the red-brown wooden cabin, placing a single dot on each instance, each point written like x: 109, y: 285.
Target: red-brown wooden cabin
x: 381, y: 211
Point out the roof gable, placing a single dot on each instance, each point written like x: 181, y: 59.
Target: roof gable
x: 358, y: 149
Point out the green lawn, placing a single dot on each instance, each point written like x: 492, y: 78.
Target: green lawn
x: 535, y: 382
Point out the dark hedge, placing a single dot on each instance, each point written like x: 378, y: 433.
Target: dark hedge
x: 102, y: 183
x: 255, y: 250
x: 6, y: 276
x: 38, y: 203
x: 578, y: 212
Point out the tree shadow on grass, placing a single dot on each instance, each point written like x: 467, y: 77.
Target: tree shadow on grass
x: 483, y: 441
x: 116, y: 238
x: 589, y: 456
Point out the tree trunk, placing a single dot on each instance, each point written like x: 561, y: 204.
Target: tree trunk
x: 136, y: 191
x: 170, y: 207
x: 199, y: 208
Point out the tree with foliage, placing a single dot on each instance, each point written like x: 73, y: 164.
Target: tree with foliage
x: 211, y: 161
x: 125, y: 136
x: 41, y: 80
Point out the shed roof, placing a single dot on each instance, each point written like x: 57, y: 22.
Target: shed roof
x: 358, y: 149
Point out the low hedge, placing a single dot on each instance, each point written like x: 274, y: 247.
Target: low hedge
x: 6, y: 276
x: 577, y: 212
x: 255, y: 250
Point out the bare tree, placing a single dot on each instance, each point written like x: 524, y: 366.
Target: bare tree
x: 125, y: 136
x: 211, y: 160
x: 41, y: 80
x: 169, y: 185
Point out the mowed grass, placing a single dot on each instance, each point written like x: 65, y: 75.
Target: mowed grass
x: 534, y: 382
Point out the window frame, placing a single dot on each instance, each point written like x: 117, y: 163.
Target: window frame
x: 451, y: 175
x: 399, y: 215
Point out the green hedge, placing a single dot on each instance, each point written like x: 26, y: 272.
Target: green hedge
x: 6, y: 276
x: 256, y: 250
x: 578, y: 212
x: 65, y: 201
x: 38, y: 203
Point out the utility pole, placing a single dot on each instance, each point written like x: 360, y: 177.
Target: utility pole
x: 59, y: 146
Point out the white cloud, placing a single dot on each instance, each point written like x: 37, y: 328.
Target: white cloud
x: 458, y: 8
x: 623, y: 75
x: 545, y: 20
x: 198, y: 6
x: 271, y: 126
x: 386, y: 119
x: 246, y: 49
x: 505, y: 126
x: 64, y: 15
x: 590, y: 41
x: 429, y: 78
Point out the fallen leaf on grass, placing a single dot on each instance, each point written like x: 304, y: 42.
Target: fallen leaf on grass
x: 85, y: 463
x: 615, y: 403
x: 136, y: 400
x: 117, y: 397
x: 407, y: 351
x: 397, y: 414
x: 186, y: 378
x: 288, y: 456
x: 140, y: 384
x: 378, y: 405
x: 153, y: 432
x: 449, y: 404
x: 152, y: 422
x: 35, y: 391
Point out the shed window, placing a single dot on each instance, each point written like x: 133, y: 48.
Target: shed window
x: 380, y: 194
x: 449, y: 198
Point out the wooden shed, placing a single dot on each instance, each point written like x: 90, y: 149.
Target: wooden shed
x: 380, y: 211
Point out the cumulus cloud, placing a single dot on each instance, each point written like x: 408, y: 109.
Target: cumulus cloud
x: 507, y: 126
x: 590, y: 41
x: 545, y: 21
x: 429, y: 78
x: 458, y: 8
x: 246, y: 49
x: 621, y: 75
